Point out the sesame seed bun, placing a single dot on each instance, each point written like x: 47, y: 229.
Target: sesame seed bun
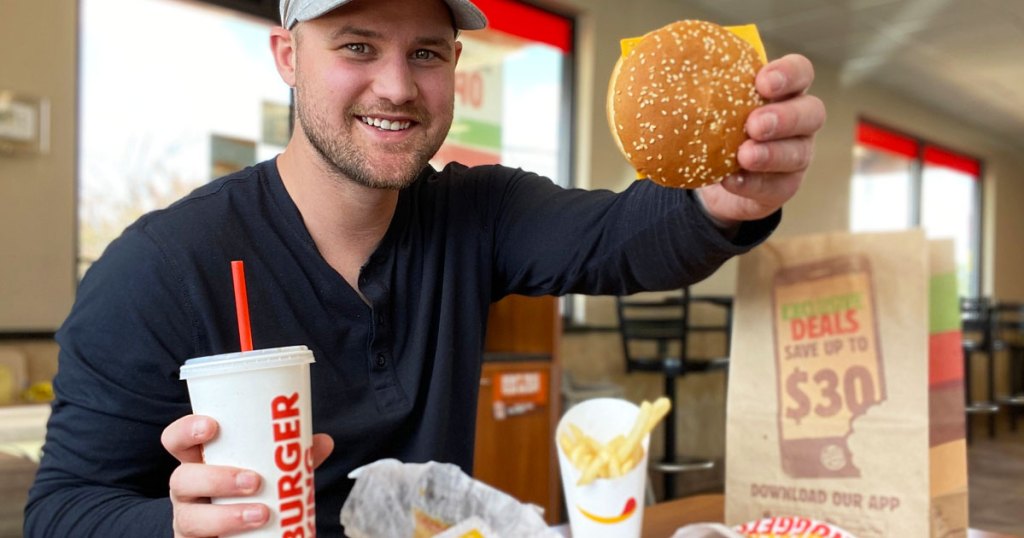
x: 678, y: 102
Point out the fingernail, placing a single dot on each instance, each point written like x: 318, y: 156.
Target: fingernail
x: 252, y: 515
x: 246, y: 481
x: 199, y: 429
x: 758, y: 154
x: 768, y: 123
x: 776, y: 81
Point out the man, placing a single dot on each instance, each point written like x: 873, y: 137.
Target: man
x: 379, y: 264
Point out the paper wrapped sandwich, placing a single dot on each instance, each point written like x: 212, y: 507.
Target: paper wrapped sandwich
x: 391, y: 498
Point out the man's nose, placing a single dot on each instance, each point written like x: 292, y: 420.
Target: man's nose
x: 395, y: 81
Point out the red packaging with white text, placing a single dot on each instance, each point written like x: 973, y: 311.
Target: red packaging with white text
x: 791, y: 527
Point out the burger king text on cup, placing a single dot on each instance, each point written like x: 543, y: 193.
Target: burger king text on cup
x: 295, y: 492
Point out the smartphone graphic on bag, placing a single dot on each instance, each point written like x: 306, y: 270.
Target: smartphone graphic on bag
x: 828, y: 362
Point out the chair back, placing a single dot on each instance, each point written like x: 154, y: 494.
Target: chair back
x: 976, y: 323
x: 1007, y: 325
x: 656, y: 329
x: 653, y: 329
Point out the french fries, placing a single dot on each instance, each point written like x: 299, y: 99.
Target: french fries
x: 620, y: 454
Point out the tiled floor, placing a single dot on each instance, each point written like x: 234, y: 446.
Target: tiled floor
x: 996, y: 475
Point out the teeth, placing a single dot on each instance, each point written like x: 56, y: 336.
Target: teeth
x: 386, y: 125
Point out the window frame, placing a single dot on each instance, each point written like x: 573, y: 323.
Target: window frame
x: 880, y: 136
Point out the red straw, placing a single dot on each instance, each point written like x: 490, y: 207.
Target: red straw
x: 241, y: 305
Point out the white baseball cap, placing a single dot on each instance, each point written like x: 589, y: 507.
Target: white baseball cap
x: 467, y: 16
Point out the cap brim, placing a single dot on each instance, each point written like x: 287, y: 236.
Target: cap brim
x: 465, y: 14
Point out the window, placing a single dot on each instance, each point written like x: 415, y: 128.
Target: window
x: 900, y: 182
x: 513, y: 92
x: 162, y: 115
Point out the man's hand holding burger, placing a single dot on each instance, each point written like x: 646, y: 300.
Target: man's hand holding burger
x: 773, y: 161
x: 693, y: 105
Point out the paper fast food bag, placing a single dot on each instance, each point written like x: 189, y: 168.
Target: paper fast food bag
x: 846, y: 386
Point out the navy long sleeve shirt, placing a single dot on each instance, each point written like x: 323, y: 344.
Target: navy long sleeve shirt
x: 397, y: 377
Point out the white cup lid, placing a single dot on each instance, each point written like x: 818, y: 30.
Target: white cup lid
x: 245, y: 361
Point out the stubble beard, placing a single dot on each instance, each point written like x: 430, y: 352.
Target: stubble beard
x: 348, y: 159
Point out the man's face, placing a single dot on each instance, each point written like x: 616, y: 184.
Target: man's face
x: 374, y: 87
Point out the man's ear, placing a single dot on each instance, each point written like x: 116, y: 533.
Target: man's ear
x: 283, y: 46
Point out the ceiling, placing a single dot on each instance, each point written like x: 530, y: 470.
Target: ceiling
x: 965, y: 58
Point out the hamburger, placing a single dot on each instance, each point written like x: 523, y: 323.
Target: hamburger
x: 678, y: 101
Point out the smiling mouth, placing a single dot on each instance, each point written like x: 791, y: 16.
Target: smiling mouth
x: 385, y: 125
x: 627, y: 511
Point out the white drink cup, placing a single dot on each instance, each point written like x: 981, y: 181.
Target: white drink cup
x: 606, y: 507
x: 261, y: 401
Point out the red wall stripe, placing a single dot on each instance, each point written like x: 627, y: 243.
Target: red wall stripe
x: 528, y: 22
x: 885, y: 140
x: 961, y: 163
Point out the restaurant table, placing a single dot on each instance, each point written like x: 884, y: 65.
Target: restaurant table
x: 661, y: 520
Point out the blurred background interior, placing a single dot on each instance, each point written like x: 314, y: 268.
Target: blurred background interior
x: 112, y: 108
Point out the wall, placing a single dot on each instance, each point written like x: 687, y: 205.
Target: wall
x: 38, y: 58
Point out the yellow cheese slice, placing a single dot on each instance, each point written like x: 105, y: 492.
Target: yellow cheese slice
x: 746, y: 32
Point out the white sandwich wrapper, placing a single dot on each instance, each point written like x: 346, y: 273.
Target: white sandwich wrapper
x: 261, y: 401
x: 606, y: 507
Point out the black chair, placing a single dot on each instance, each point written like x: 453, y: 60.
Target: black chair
x: 1008, y: 336
x: 976, y: 324
x: 655, y: 333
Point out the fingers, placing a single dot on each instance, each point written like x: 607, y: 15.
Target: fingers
x: 201, y: 520
x: 184, y: 437
x: 197, y: 481
x: 193, y: 483
x: 323, y: 445
x: 787, y: 76
x: 191, y: 487
x: 773, y: 171
x: 760, y: 194
x: 789, y: 155
x: 791, y: 113
x: 803, y: 115
x: 780, y: 147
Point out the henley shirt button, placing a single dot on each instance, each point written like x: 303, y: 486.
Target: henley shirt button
x: 381, y: 360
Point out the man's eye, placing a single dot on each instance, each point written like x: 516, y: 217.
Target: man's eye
x: 360, y: 48
x: 423, y: 54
